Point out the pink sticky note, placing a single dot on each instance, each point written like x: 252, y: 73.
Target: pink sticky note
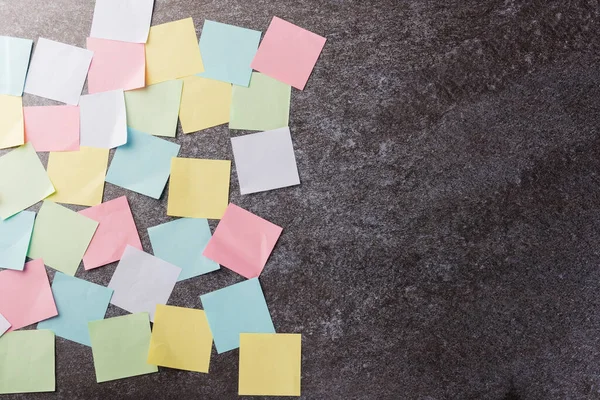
x: 288, y: 53
x: 52, y: 128
x: 25, y: 296
x: 116, y: 65
x: 116, y: 230
x: 242, y: 242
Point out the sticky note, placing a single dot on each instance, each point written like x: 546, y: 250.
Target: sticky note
x: 27, y: 362
x: 288, y: 53
x: 15, y: 235
x: 14, y: 53
x: 270, y: 364
x: 60, y: 237
x: 181, y: 242
x: 172, y: 52
x: 11, y: 123
x: 116, y: 230
x: 235, y: 309
x: 199, y: 188
x: 78, y: 176
x: 103, y: 119
x: 123, y: 20
x: 25, y: 296
x: 116, y: 65
x: 120, y: 347
x: 265, y: 161
x: 242, y: 242
x: 141, y: 281
x: 262, y: 106
x: 181, y: 339
x: 78, y: 302
x: 58, y: 71
x: 154, y: 109
x: 204, y: 103
x: 25, y: 181
x: 52, y: 128
x: 227, y: 52
x: 143, y: 164
x: 4, y: 325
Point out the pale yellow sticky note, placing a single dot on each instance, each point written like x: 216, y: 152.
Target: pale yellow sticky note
x: 11, y: 121
x: 181, y: 339
x: 172, y: 52
x: 270, y: 364
x: 78, y: 176
x: 204, y: 103
x: 199, y: 188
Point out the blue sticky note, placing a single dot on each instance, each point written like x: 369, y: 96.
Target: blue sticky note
x: 181, y: 242
x: 15, y: 235
x: 14, y: 61
x: 239, y: 308
x: 78, y: 302
x: 143, y: 164
x: 227, y: 52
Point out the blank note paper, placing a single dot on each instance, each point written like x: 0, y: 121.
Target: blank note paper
x: 204, y: 103
x: 11, y: 123
x: 103, y: 119
x: 15, y: 235
x: 14, y: 53
x: 52, y: 128
x: 123, y: 20
x: 116, y: 65
x: 4, y: 325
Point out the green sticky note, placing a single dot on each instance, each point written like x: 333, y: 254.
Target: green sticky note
x: 27, y: 362
x: 155, y: 108
x: 60, y: 237
x: 120, y: 346
x: 262, y: 106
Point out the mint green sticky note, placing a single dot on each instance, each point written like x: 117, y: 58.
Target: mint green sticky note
x: 15, y: 235
x: 14, y: 53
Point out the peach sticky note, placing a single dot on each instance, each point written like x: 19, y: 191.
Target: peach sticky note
x: 52, y: 128
x: 242, y: 242
x: 25, y: 296
x: 288, y: 53
x: 116, y: 65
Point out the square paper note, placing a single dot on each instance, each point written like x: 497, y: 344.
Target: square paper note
x: 14, y: 53
x: 265, y: 161
x: 181, y: 339
x: 78, y: 302
x: 262, y: 106
x: 11, y: 123
x: 204, y: 103
x: 227, y: 52
x: 52, y: 128
x: 116, y: 230
x: 60, y: 237
x: 116, y: 65
x: 270, y: 364
x: 141, y: 281
x: 25, y: 296
x: 4, y: 325
x: 123, y: 20
x: 142, y: 165
x: 181, y: 242
x: 242, y: 242
x: 58, y: 71
x: 15, y: 235
x: 103, y: 119
x: 120, y: 347
x: 288, y: 53
x: 199, y: 188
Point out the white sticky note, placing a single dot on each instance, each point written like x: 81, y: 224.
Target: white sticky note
x: 57, y: 71
x: 4, y: 325
x: 141, y: 281
x: 123, y: 20
x: 265, y: 161
x: 103, y: 119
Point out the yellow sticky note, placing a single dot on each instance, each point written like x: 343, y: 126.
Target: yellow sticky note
x: 270, y: 364
x: 78, y: 176
x: 180, y: 339
x: 172, y: 52
x: 199, y: 188
x: 204, y: 103
x: 11, y: 121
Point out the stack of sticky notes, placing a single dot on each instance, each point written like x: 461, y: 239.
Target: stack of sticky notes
x: 141, y: 81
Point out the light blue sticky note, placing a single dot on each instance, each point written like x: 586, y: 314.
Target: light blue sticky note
x: 78, y: 302
x: 181, y: 242
x: 239, y: 308
x: 143, y: 164
x: 14, y: 61
x: 15, y: 235
x: 227, y: 52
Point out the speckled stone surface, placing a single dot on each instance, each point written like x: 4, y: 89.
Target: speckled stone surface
x: 443, y: 243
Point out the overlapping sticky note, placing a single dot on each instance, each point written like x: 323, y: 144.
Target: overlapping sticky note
x: 15, y: 235
x: 204, y: 103
x: 11, y: 123
x: 52, y: 128
x: 4, y: 325
x: 122, y: 20
x: 103, y: 119
x: 14, y: 53
x: 116, y: 65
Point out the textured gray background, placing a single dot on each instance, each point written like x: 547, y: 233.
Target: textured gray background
x: 443, y: 243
